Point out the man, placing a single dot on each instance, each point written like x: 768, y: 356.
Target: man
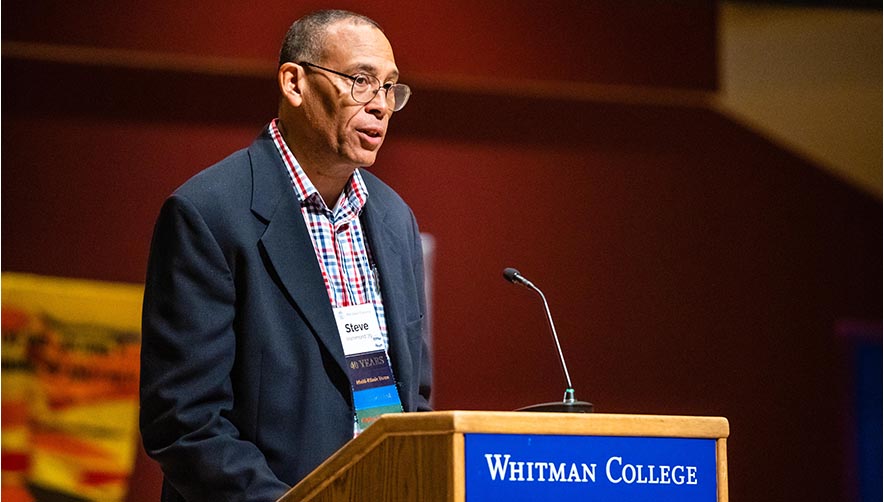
x: 283, y: 279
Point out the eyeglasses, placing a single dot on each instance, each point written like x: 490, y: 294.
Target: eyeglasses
x: 365, y: 88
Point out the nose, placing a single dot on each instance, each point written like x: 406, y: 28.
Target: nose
x: 379, y: 104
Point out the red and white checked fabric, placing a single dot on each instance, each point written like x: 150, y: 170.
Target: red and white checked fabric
x: 338, y: 239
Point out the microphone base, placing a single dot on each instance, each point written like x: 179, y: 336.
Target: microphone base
x: 560, y: 407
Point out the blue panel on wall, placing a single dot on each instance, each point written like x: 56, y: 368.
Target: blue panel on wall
x: 868, y: 357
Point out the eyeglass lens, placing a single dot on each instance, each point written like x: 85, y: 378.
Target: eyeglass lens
x: 366, y: 86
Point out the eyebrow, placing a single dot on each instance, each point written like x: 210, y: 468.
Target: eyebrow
x: 372, y: 69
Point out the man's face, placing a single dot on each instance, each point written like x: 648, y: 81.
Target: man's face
x: 349, y: 134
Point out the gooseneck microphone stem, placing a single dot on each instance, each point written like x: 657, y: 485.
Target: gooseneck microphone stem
x: 569, y: 402
x: 569, y: 392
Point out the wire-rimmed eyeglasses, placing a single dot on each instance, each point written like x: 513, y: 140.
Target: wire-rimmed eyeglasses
x: 365, y: 88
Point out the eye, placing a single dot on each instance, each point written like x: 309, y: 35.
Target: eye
x: 361, y: 80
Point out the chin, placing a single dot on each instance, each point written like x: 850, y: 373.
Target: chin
x: 366, y: 160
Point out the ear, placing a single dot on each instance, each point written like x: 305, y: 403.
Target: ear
x: 289, y: 79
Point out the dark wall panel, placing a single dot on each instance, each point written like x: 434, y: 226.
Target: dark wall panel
x: 80, y: 195
x: 703, y: 277
x: 607, y: 41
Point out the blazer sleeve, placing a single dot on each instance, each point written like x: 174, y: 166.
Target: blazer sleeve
x: 188, y: 352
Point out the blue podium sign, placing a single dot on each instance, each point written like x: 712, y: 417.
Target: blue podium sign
x: 522, y: 467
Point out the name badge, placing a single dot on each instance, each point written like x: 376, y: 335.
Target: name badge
x: 359, y: 329
x: 369, y: 369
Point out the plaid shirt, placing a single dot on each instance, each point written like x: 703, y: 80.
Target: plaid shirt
x: 338, y: 239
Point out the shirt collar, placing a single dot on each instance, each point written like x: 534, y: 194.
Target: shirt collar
x: 350, y: 203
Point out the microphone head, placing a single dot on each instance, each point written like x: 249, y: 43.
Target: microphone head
x: 511, y: 275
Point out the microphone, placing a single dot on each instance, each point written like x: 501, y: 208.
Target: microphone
x: 569, y: 403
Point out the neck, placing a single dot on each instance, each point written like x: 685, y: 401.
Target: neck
x: 329, y: 180
x: 329, y: 188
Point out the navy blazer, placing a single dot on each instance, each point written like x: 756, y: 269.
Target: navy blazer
x: 244, y: 388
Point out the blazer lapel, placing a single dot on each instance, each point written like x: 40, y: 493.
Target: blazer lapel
x: 288, y: 247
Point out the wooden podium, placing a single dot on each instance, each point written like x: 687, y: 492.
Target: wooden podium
x: 433, y: 456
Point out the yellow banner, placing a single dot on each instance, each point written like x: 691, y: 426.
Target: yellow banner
x: 70, y: 354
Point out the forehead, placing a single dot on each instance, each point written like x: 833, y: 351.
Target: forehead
x: 351, y: 46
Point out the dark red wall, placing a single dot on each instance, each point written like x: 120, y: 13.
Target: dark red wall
x: 693, y: 266
x: 627, y: 41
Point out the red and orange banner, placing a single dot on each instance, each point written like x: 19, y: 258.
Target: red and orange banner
x: 69, y: 386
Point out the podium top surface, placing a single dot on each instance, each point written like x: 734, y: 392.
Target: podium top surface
x: 515, y: 422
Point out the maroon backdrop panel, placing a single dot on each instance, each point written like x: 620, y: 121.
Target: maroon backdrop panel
x: 611, y: 41
x: 702, y: 278
x: 80, y: 196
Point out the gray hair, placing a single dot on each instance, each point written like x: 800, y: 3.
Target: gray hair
x: 305, y: 38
